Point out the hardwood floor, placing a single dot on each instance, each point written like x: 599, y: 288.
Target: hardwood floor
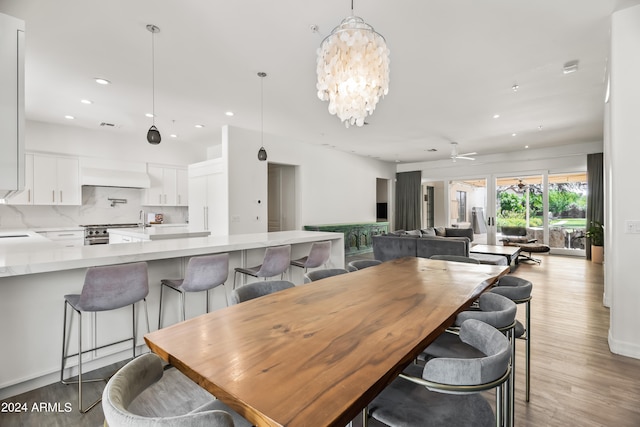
x: 575, y: 379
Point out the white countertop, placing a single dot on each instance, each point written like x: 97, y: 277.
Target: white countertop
x: 159, y: 233
x: 18, y: 258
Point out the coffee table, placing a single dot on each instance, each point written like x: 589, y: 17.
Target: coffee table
x: 510, y: 252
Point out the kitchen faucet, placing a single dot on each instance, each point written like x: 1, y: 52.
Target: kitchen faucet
x: 142, y: 219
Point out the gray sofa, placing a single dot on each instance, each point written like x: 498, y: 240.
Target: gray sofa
x: 422, y: 243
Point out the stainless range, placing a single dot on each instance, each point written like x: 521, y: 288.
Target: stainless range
x: 97, y: 234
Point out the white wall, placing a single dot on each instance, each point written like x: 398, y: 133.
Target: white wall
x: 623, y: 151
x: 109, y: 144
x: 334, y: 187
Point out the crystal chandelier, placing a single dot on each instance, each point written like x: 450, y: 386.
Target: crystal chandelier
x: 353, y: 70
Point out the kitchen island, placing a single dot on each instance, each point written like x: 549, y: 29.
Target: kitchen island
x: 139, y: 234
x: 34, y: 278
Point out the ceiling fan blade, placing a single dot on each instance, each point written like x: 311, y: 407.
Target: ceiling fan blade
x: 464, y: 158
x: 467, y: 154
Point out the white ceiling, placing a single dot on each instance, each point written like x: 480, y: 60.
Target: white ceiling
x: 453, y: 65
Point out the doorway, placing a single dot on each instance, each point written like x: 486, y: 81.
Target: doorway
x: 382, y: 200
x: 281, y: 198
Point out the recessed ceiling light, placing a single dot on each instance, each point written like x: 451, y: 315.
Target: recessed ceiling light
x: 68, y: 117
x: 229, y: 113
x: 173, y: 135
x: 199, y: 126
x: 102, y: 81
x: 514, y: 134
x: 526, y: 146
x: 515, y: 87
x: 86, y: 101
x: 149, y: 115
x: 496, y: 116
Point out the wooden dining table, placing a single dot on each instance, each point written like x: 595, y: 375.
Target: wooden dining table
x: 317, y: 354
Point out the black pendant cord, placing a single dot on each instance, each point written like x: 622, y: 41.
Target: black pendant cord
x: 262, y: 153
x: 153, y: 135
x: 153, y: 76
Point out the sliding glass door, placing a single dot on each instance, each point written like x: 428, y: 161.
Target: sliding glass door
x: 552, y: 208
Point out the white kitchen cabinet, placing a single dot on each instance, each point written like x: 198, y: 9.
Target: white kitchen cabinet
x: 182, y: 187
x: 26, y: 196
x: 208, y: 197
x: 56, y: 180
x: 65, y: 238
x: 168, y: 186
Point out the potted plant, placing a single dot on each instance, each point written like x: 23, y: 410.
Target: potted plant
x: 595, y: 233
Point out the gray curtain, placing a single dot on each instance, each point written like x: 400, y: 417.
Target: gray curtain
x: 408, y: 203
x: 595, y: 197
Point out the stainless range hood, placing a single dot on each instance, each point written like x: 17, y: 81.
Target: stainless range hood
x: 114, y: 178
x: 12, y: 106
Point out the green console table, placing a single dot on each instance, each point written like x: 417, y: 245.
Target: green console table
x: 358, y: 236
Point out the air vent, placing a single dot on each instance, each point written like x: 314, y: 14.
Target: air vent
x: 111, y: 125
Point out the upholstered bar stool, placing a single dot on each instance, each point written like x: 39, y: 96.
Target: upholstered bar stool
x: 105, y: 288
x: 275, y: 263
x: 203, y: 273
x: 518, y: 290
x: 318, y: 255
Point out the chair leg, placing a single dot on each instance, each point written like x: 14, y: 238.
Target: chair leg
x: 235, y: 274
x: 527, y: 349
x: 183, y: 303
x: 512, y: 382
x: 207, y: 307
x: 160, y: 311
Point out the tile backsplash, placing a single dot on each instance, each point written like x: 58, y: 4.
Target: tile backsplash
x: 95, y: 209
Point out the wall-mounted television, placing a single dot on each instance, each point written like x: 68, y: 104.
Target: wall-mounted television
x: 381, y: 211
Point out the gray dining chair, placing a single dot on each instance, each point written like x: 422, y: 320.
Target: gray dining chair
x: 105, y: 288
x: 258, y: 289
x: 140, y: 376
x: 360, y: 264
x: 319, y: 254
x: 203, y: 273
x: 447, y: 391
x: 495, y: 310
x: 519, y: 290
x: 455, y: 258
x: 315, y: 275
x: 275, y: 263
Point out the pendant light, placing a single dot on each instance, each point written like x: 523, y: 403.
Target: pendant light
x: 153, y: 135
x: 262, y: 153
x: 353, y: 70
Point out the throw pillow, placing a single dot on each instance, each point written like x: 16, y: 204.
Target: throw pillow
x: 440, y: 231
x: 428, y: 231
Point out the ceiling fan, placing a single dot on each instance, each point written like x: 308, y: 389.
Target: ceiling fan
x: 519, y: 187
x: 455, y: 156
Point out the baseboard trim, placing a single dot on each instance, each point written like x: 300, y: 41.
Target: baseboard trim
x: 623, y: 348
